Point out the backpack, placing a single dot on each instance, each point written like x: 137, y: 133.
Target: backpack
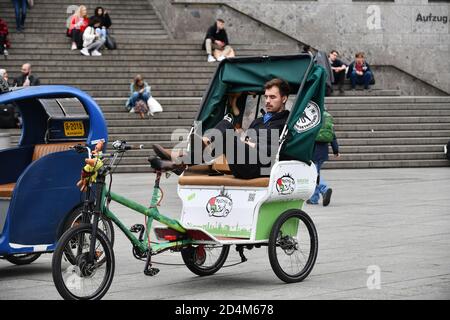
x: 326, y: 132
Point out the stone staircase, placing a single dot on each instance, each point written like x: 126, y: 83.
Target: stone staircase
x: 380, y: 129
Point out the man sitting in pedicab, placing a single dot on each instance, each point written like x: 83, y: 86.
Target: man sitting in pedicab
x: 259, y: 145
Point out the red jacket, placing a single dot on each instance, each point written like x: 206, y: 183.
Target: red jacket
x: 4, y: 31
x: 74, y: 21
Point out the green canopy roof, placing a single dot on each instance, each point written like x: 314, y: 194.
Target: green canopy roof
x: 250, y: 75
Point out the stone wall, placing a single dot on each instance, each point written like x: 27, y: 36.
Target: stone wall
x: 403, y: 34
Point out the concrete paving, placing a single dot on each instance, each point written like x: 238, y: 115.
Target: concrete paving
x: 396, y: 221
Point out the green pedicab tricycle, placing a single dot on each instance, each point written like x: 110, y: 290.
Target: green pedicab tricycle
x: 218, y: 210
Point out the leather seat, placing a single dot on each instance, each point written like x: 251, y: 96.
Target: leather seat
x: 199, y: 176
x: 40, y: 150
x: 6, y: 190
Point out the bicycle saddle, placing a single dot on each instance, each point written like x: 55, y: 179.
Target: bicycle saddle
x: 164, y: 165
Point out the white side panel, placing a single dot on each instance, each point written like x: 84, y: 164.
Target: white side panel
x: 221, y: 211
x: 292, y: 180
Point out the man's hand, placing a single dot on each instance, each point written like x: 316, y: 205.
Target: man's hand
x: 359, y: 73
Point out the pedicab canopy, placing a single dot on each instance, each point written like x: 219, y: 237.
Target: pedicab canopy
x: 307, y: 82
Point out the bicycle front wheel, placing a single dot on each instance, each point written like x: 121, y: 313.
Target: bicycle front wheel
x: 83, y: 278
x: 293, y: 246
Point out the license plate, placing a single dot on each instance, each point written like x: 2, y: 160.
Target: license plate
x: 74, y: 129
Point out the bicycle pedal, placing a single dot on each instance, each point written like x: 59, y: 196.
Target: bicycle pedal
x: 137, y: 228
x: 151, y: 272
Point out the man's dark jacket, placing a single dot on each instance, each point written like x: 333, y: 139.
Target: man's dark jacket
x: 277, y: 122
x: 352, y: 66
x: 214, y: 35
x: 34, y: 81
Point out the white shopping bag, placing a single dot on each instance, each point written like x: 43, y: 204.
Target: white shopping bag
x: 153, y: 106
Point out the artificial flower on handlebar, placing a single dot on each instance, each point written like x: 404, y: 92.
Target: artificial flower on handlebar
x: 90, y: 170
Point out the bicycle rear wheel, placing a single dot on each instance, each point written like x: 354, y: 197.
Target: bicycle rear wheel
x: 80, y: 278
x: 205, y: 260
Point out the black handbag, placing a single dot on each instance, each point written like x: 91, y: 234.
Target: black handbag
x: 7, y: 117
x: 110, y: 42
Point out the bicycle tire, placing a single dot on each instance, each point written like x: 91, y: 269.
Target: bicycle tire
x: 274, y: 242
x: 189, y: 257
x: 58, y: 258
x: 22, y: 259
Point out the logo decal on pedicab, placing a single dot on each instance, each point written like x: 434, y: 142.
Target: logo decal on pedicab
x: 285, y: 185
x: 309, y: 119
x: 219, y: 206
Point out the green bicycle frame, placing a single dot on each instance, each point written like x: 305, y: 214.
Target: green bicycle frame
x: 152, y: 213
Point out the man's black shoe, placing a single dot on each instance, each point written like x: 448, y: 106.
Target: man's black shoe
x: 165, y: 165
x: 327, y: 197
x: 162, y: 152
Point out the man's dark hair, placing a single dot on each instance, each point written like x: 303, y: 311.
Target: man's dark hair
x: 282, y: 85
x: 334, y: 51
x: 221, y: 20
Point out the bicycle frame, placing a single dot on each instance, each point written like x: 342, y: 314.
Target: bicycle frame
x: 152, y: 213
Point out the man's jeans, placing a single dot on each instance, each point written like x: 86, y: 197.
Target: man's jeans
x: 138, y: 96
x: 20, y: 7
x: 321, y: 188
x: 364, y: 79
x: 210, y: 46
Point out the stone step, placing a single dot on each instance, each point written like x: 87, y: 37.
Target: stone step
x: 391, y: 120
x: 392, y: 127
x: 163, y: 115
x: 390, y: 113
x: 392, y: 141
x: 424, y: 107
x: 29, y: 31
x: 126, y: 52
x: 156, y: 122
x: 152, y: 82
x: 373, y: 92
x: 389, y: 100
x: 393, y: 134
x: 392, y: 149
x: 121, y: 131
x: 383, y: 164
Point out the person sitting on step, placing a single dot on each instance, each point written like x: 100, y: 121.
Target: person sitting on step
x: 140, y: 90
x: 3, y: 37
x: 93, y: 38
x: 359, y: 72
x: 217, y: 39
x: 78, y: 23
x: 102, y: 14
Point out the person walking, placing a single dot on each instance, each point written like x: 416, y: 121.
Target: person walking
x: 20, y: 10
x: 325, y: 137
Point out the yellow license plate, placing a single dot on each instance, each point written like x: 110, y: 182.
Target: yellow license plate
x: 74, y: 129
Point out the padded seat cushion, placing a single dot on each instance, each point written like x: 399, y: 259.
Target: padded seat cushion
x: 41, y: 150
x: 6, y: 190
x: 200, y: 178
